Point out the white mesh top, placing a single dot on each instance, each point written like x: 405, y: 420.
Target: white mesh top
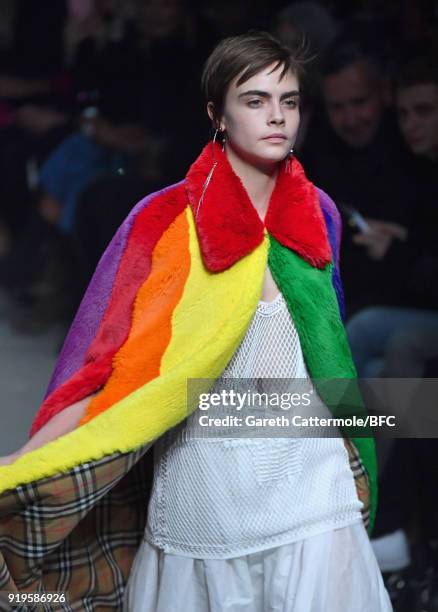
x: 225, y: 497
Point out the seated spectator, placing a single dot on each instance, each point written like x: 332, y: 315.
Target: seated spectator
x: 372, y: 329
x: 33, y: 104
x: 355, y: 152
x: 403, y: 342
x: 126, y: 123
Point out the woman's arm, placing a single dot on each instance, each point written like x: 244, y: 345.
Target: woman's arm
x: 59, y: 425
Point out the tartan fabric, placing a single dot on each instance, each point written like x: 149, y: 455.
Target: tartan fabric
x: 361, y: 479
x: 79, y: 532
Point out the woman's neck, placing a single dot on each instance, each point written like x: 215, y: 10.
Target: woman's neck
x: 259, y: 182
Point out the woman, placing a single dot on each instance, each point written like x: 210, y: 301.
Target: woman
x: 205, y: 278
x: 199, y: 559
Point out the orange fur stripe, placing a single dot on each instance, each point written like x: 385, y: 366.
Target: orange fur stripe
x: 138, y: 360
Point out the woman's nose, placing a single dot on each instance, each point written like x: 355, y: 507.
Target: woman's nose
x: 277, y: 116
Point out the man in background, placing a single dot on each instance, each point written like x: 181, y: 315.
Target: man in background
x: 355, y: 152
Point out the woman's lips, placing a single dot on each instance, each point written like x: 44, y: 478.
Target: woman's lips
x: 279, y: 139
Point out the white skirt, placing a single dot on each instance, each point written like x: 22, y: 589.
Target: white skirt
x: 331, y: 572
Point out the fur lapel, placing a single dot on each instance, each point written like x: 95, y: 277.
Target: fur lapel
x: 229, y: 226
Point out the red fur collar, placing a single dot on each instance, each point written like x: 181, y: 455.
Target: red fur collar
x: 229, y: 226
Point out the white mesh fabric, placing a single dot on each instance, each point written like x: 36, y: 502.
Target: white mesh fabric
x: 271, y: 347
x: 224, y: 497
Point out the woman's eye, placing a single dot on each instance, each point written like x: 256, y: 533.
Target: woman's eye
x: 254, y: 103
x: 291, y: 103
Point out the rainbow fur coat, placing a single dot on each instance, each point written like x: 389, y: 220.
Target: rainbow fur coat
x: 171, y: 299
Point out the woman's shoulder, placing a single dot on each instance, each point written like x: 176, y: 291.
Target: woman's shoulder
x: 158, y: 208
x: 327, y: 203
x: 332, y: 219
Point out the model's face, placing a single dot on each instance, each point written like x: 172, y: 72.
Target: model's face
x: 418, y: 116
x: 261, y: 117
x: 354, y: 103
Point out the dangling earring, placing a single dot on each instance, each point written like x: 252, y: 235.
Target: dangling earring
x: 210, y: 174
x: 213, y: 141
x: 289, y: 160
x: 222, y: 132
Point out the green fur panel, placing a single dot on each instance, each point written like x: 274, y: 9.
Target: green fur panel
x: 312, y: 302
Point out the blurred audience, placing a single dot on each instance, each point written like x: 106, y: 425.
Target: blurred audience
x: 127, y: 69
x: 373, y: 331
x: 33, y: 103
x: 403, y: 343
x: 355, y: 152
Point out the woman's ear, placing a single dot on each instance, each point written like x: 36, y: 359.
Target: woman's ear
x: 210, y: 111
x: 217, y: 124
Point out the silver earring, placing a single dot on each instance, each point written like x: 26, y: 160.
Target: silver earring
x: 213, y: 141
x: 210, y: 174
x: 204, y: 189
x: 222, y: 132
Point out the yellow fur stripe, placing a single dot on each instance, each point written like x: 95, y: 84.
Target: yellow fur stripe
x: 207, y: 326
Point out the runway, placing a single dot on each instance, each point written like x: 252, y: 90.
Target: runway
x: 26, y: 363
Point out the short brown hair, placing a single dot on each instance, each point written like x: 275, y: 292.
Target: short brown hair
x: 248, y: 54
x: 422, y: 70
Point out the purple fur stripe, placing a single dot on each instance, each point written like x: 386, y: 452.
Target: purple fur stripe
x: 95, y: 301
x: 334, y: 227
x: 328, y: 205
